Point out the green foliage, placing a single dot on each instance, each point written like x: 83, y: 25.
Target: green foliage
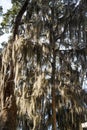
x: 9, y: 16
x: 19, y: 1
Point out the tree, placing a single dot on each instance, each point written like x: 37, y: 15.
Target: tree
x: 43, y: 67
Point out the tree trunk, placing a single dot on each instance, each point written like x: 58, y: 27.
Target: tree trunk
x: 52, y: 42
x: 8, y: 110
x: 53, y: 87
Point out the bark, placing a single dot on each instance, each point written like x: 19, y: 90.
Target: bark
x: 8, y: 115
x: 53, y: 109
x: 53, y: 95
x: 9, y: 109
x: 52, y: 41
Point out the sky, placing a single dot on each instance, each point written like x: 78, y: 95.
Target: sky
x: 6, y: 4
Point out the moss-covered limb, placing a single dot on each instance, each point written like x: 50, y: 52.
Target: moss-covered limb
x: 8, y: 102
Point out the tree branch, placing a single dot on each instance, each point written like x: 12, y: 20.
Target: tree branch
x: 18, y: 19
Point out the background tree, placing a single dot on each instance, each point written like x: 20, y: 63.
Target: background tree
x: 44, y: 65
